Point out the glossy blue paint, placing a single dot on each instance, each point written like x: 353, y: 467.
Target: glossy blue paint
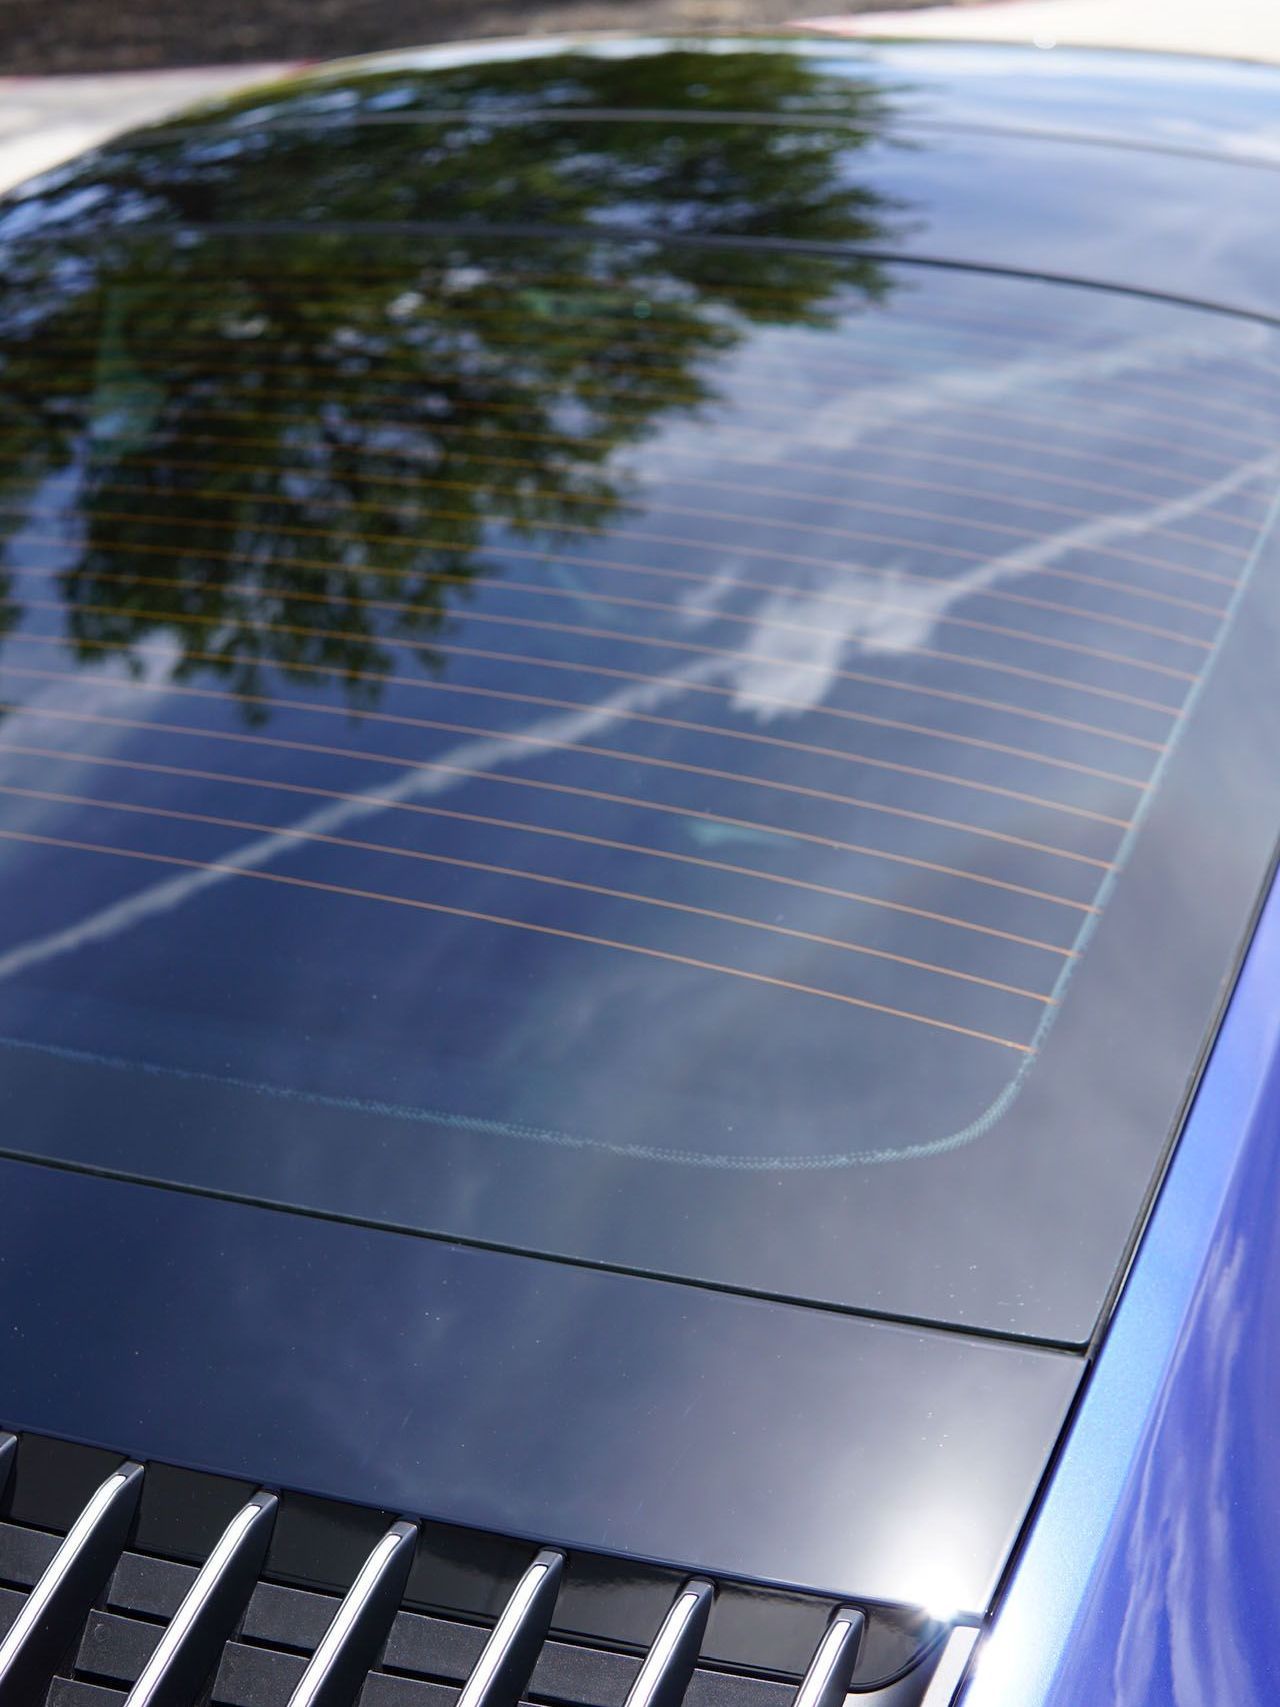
x: 1151, y: 1577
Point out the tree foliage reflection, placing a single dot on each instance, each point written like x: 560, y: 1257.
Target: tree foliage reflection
x: 276, y: 385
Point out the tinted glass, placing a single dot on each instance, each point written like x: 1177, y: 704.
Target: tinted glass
x: 629, y: 747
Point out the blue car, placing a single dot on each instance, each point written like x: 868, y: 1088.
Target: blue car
x: 638, y: 790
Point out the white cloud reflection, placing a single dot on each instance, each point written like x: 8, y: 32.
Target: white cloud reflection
x: 798, y: 661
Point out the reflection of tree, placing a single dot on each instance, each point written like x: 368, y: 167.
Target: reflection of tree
x: 245, y: 436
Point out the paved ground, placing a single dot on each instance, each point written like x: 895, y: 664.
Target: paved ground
x: 1245, y: 29
x: 44, y: 120
x: 42, y: 36
x: 106, y: 54
x: 47, y: 119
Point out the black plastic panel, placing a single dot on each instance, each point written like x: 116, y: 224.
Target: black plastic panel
x: 69, y: 1694
x: 816, y: 1450
x: 52, y: 1482
x: 610, y: 1603
x: 427, y: 1656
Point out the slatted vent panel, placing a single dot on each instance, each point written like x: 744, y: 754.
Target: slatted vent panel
x: 90, y: 1619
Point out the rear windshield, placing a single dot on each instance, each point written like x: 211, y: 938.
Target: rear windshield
x: 562, y: 741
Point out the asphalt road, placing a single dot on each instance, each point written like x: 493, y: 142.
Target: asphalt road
x: 39, y: 37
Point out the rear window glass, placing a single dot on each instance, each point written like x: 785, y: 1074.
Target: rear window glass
x: 586, y: 705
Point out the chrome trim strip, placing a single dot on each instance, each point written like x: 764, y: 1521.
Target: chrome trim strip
x: 8, y: 1458
x: 950, y: 1668
x: 669, y: 1664
x: 826, y: 1683
x: 52, y: 1614
x: 349, y: 1649
x: 192, y: 1643
x: 503, y: 1670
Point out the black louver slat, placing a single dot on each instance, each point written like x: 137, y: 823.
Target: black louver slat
x: 826, y: 1683
x: 59, y: 1603
x: 10, y: 1602
x: 669, y: 1665
x: 96, y: 1617
x: 828, y: 1677
x: 501, y: 1674
x: 347, y: 1650
x: 193, y: 1641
